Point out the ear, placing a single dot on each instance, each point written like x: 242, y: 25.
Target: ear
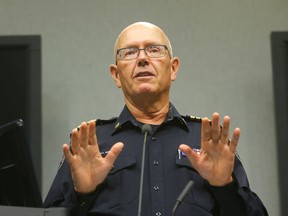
x: 115, y: 74
x: 175, y: 63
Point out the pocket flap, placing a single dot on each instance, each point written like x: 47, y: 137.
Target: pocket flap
x: 123, y: 162
x: 183, y: 161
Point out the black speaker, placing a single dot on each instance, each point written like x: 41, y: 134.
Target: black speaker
x: 20, y: 88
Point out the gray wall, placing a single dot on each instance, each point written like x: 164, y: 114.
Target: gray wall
x: 223, y: 46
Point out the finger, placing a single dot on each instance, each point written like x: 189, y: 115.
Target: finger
x: 235, y: 139
x: 215, y: 127
x: 225, y: 130
x: 206, y: 129
x: 83, y: 135
x: 67, y: 153
x: 74, y: 141
x: 114, y: 152
x: 92, y: 132
x: 190, y: 154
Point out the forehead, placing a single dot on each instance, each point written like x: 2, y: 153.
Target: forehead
x: 141, y: 35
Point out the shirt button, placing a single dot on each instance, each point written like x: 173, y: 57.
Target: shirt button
x: 156, y: 162
x: 82, y: 204
x: 158, y: 214
x: 154, y: 138
x: 156, y: 188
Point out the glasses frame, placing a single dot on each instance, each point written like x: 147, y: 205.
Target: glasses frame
x: 122, y: 59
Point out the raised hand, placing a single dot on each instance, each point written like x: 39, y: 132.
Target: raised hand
x: 88, y: 167
x: 215, y: 162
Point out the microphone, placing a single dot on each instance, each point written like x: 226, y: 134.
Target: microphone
x: 182, y: 196
x: 146, y: 129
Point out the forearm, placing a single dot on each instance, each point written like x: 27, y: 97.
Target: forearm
x: 234, y: 200
x: 228, y: 199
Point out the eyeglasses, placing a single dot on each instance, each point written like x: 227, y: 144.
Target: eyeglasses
x: 130, y: 53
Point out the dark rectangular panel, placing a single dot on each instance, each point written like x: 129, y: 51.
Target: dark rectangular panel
x: 279, y: 48
x: 20, y: 88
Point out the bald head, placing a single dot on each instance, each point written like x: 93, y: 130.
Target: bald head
x: 142, y: 32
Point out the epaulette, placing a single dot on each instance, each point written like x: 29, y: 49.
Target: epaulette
x: 192, y: 118
x: 100, y: 122
x: 105, y: 121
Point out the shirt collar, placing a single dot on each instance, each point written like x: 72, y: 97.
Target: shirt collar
x: 127, y: 120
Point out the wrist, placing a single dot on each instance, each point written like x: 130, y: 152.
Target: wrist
x: 217, y: 183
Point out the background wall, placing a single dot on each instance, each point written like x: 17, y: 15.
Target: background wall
x: 223, y: 45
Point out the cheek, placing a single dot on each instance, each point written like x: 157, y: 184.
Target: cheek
x: 167, y: 73
x: 124, y: 78
x: 127, y: 65
x: 126, y: 69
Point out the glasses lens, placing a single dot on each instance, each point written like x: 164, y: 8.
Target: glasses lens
x: 128, y: 53
x: 155, y: 51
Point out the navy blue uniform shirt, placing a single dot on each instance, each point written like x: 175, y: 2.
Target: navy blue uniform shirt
x: 167, y: 171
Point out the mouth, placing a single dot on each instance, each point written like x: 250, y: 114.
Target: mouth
x: 143, y: 74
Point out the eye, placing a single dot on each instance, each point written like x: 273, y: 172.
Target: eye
x: 153, y: 49
x: 129, y: 52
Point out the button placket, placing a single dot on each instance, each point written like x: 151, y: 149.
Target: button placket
x: 155, y: 167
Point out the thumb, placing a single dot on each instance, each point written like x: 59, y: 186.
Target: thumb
x: 190, y: 154
x: 67, y: 153
x: 114, y: 152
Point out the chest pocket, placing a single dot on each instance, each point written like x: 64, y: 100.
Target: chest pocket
x: 122, y: 162
x: 121, y: 185
x: 183, y: 161
x: 199, y: 197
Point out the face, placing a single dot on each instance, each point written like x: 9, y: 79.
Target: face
x: 144, y: 75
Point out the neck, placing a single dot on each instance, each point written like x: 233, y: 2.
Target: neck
x: 149, y: 112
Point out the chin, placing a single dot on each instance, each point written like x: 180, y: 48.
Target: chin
x: 145, y: 92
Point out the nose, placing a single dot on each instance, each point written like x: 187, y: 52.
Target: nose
x: 142, y: 58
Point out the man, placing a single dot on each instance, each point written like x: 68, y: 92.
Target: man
x: 101, y: 173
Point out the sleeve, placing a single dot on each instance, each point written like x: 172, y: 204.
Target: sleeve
x: 237, y: 198
x: 62, y: 194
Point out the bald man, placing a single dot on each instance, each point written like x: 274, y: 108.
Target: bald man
x: 101, y: 172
